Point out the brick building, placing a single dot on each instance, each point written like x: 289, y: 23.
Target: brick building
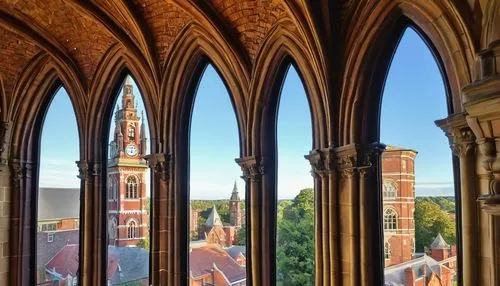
x: 398, y: 188
x: 127, y: 219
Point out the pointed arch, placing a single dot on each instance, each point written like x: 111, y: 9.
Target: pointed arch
x: 281, y: 49
x: 369, y: 55
x: 190, y: 53
x: 113, y: 68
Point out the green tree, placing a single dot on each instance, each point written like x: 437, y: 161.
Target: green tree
x: 295, y: 252
x: 144, y: 243
x: 242, y: 235
x: 430, y: 220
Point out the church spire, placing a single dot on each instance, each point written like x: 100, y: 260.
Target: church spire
x: 143, y: 142
x: 234, y: 195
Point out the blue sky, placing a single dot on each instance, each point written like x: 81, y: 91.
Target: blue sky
x: 413, y: 98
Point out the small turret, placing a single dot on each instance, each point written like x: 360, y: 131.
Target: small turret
x: 119, y: 137
x: 235, y: 217
x: 143, y: 143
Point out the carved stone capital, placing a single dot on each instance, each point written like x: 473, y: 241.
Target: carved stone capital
x: 83, y: 170
x: 252, y: 168
x: 354, y: 157
x: 19, y: 171
x: 4, y: 134
x: 460, y: 136
x: 160, y: 164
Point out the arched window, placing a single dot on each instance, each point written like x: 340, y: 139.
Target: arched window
x: 131, y: 132
x: 387, y: 250
x: 132, y: 230
x: 390, y: 220
x: 131, y: 188
x: 389, y: 190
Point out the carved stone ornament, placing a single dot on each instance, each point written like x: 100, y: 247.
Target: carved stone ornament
x: 252, y: 168
x: 4, y: 134
x: 20, y: 170
x: 352, y: 158
x: 159, y: 164
x: 322, y: 161
x: 462, y: 141
x: 83, y: 170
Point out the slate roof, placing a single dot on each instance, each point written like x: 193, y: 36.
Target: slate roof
x: 65, y: 262
x: 235, y: 250
x: 203, y: 259
x: 395, y: 275
x: 46, y: 250
x: 214, y: 218
x: 133, y: 264
x: 439, y: 243
x: 58, y: 203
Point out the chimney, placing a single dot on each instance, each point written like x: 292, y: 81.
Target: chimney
x: 409, y: 277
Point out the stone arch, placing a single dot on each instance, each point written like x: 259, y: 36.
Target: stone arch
x: 38, y: 84
x: 281, y: 49
x: 491, y: 34
x: 192, y: 51
x: 370, y: 54
x: 109, y: 78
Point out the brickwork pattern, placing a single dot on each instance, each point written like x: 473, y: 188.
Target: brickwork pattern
x: 251, y: 19
x: 16, y: 53
x: 165, y: 20
x: 83, y: 38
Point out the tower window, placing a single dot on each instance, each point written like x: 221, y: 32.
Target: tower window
x: 131, y: 188
x: 387, y: 250
x: 131, y: 132
x: 132, y: 230
x: 389, y: 190
x: 390, y: 220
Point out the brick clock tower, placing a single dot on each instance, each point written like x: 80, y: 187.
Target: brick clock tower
x: 127, y: 215
x: 235, y: 216
x: 398, y: 179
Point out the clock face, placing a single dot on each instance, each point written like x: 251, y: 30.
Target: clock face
x: 131, y: 150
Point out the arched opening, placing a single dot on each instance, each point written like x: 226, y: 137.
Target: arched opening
x: 418, y: 192
x: 217, y: 194
x: 295, y: 205
x: 128, y: 204
x: 58, y: 211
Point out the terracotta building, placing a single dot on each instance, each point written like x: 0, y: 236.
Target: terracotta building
x: 398, y: 190
x: 342, y: 51
x: 127, y: 220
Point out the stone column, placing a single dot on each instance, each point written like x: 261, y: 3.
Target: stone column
x: 22, y: 222
x: 326, y: 239
x: 360, y: 214
x: 462, y: 143
x: 160, y: 204
x: 482, y: 104
x: 93, y: 239
x: 260, y: 222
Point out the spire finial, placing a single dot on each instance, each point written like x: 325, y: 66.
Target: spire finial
x: 128, y: 80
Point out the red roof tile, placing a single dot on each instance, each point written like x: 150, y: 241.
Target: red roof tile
x: 202, y: 260
x: 65, y: 262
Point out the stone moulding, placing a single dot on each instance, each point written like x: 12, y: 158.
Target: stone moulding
x: 252, y: 168
x: 160, y: 164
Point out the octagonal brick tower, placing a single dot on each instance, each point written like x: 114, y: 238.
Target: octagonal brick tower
x: 398, y: 192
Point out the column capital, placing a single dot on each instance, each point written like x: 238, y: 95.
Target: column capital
x: 460, y: 136
x: 160, y: 164
x: 20, y: 170
x: 356, y: 157
x: 323, y: 161
x: 83, y: 170
x: 252, y: 167
x: 4, y: 134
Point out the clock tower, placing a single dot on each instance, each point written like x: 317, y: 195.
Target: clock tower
x: 127, y: 216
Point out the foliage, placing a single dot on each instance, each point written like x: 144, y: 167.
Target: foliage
x: 431, y: 219
x: 242, y: 235
x: 144, y: 243
x: 204, y: 207
x: 447, y: 204
x: 295, y: 252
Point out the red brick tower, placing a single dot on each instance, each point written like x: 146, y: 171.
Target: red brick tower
x: 128, y: 220
x: 235, y: 217
x: 398, y: 175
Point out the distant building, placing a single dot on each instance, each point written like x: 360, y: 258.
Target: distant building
x: 210, y: 264
x: 58, y: 209
x: 398, y: 192
x: 215, y: 232
x: 421, y: 271
x: 127, y: 215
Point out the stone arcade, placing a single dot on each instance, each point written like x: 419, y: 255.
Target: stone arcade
x: 341, y: 49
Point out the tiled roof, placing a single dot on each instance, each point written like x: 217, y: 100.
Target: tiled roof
x: 133, y: 264
x: 58, y: 203
x: 395, y: 275
x: 65, y: 262
x: 439, y: 243
x: 234, y: 251
x: 214, y: 218
x: 203, y: 259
